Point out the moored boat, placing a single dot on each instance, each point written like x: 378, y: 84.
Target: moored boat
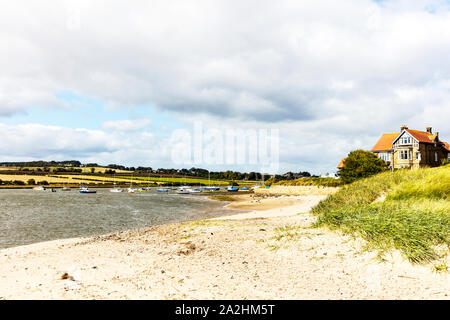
x: 115, y: 189
x: 85, y: 189
x: 183, y: 190
x: 232, y: 189
x: 40, y: 188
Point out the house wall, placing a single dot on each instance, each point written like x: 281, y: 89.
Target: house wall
x: 427, y: 156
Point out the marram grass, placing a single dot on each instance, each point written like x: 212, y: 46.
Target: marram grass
x: 414, y: 216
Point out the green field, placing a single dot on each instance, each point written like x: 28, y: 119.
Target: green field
x: 407, y: 209
x: 6, y: 180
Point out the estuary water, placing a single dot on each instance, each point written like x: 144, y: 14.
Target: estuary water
x: 29, y: 216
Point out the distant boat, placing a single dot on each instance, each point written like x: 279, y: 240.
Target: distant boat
x: 183, y: 190
x: 85, y: 189
x: 66, y: 189
x: 195, y: 190
x: 40, y: 188
x: 232, y: 189
x: 162, y: 190
x: 244, y: 188
x: 115, y: 189
x: 131, y: 189
x: 211, y: 188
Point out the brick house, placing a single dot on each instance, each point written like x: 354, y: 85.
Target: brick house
x: 410, y: 149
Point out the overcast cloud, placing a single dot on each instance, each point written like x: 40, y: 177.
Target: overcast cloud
x: 332, y: 76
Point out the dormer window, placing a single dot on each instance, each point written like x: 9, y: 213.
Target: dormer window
x: 405, y: 140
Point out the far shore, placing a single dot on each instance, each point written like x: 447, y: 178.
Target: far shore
x: 268, y: 252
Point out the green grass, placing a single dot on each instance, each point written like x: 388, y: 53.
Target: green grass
x: 322, y: 182
x: 414, y: 217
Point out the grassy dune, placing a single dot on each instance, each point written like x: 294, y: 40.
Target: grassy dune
x: 322, y: 182
x: 408, y: 210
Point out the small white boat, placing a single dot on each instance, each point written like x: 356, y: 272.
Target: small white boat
x: 131, y: 189
x: 40, y: 188
x: 183, y: 190
x: 115, y: 189
x: 195, y: 190
x: 66, y: 189
x: 85, y: 189
x: 211, y: 188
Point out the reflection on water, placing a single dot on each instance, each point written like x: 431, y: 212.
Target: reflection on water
x: 29, y: 216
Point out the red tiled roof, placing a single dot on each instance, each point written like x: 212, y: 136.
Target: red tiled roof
x: 341, y: 163
x: 385, y: 142
x: 422, y: 136
x: 446, y: 146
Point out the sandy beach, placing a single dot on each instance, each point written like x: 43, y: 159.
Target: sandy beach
x: 269, y: 252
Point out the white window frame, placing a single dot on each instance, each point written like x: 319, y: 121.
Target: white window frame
x: 405, y: 140
x: 404, y: 155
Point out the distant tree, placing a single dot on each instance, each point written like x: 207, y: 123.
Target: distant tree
x: 92, y: 165
x: 305, y: 174
x: 31, y: 182
x: 44, y: 182
x: 361, y: 164
x: 92, y: 170
x: 270, y: 181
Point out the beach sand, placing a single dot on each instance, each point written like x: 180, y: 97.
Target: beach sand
x: 270, y: 252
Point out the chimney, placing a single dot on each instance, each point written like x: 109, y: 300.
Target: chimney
x: 403, y: 127
x: 429, y: 130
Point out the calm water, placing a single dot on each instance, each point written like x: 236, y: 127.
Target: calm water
x: 29, y: 216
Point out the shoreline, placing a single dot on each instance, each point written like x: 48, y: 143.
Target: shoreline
x: 260, y: 254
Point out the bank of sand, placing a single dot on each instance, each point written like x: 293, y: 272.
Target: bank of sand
x: 270, y: 252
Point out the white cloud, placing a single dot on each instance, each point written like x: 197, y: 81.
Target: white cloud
x: 337, y: 74
x: 126, y: 125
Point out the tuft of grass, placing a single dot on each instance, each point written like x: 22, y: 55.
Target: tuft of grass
x: 414, y: 217
x: 288, y: 232
x: 441, y: 267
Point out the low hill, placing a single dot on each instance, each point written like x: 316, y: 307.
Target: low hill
x: 407, y: 209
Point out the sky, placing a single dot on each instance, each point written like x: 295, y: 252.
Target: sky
x: 114, y: 81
